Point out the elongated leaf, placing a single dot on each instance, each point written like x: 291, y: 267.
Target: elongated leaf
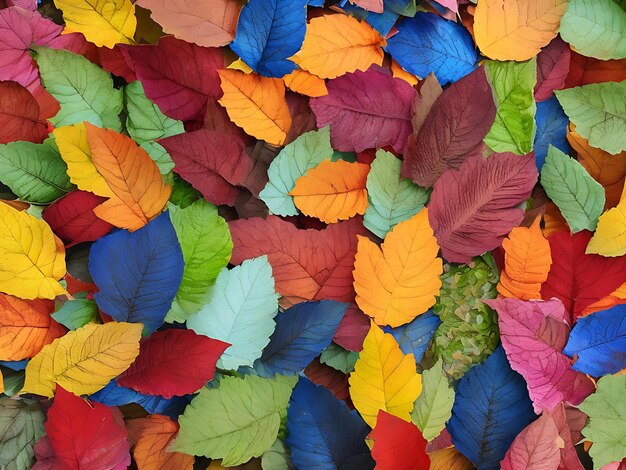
x: 21, y: 425
x: 415, y: 337
x: 20, y: 115
x: 159, y: 156
x: 305, y: 83
x: 553, y: 63
x: 433, y: 406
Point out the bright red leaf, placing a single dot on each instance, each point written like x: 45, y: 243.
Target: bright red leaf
x: 398, y: 445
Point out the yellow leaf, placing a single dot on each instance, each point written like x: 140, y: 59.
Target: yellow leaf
x: 32, y: 258
x: 103, y: 22
x: 398, y: 281
x: 85, y: 360
x: 332, y: 191
x: 240, y: 65
x: 257, y: 104
x: 399, y: 72
x: 609, y: 238
x: 384, y: 378
x: 337, y: 44
x: 305, y: 83
x: 516, y: 29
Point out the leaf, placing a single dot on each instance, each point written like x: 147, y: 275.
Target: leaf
x: 399, y: 281
x: 84, y: 91
x: 468, y: 218
x: 578, y: 196
x: 537, y: 446
x: 586, y: 70
x: 453, y: 129
x: 338, y: 44
x: 551, y: 124
x: 84, y: 434
x: 527, y: 262
x: 241, y: 312
x: 391, y: 198
x: 595, y: 28
x: 339, y: 358
x: 159, y: 156
x: 33, y: 258
x: 305, y: 83
x: 138, y: 273
x: 173, y: 363
x: 414, y: 337
x: 514, y: 127
x: 210, y: 23
x: 553, y: 64
x: 433, y: 406
x: 206, y: 245
x: 384, y: 378
x: 427, y: 43
x: 597, y: 112
x: 21, y: 425
x: 397, y: 442
x: 610, y: 236
x: 76, y: 313
x: 236, y: 421
x: 20, y: 115
x: 83, y: 361
x: 516, y: 30
x: 597, y: 342
x: 490, y: 408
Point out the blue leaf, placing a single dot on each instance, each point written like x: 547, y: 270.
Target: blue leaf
x: 491, y: 407
x: 138, y: 273
x: 316, y: 3
x: 599, y: 341
x: 323, y: 433
x: 302, y: 332
x: 268, y: 33
x: 15, y: 365
x: 551, y: 129
x: 414, y: 337
x: 428, y: 43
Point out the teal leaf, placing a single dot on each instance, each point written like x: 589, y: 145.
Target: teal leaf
x: 76, y: 313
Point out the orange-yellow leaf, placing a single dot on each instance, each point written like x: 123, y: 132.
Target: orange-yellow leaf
x: 609, y: 238
x: 553, y: 220
x: 398, y: 281
x: 399, y: 72
x: 305, y: 83
x: 332, y: 191
x: 337, y: 44
x: 257, y: 104
x: 516, y: 29
x: 449, y: 459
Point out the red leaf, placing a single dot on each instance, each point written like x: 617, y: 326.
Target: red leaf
x: 566, y: 416
x: 86, y: 435
x: 19, y: 115
x: 585, y: 70
x: 118, y: 62
x: 398, y: 445
x: 72, y: 218
x: 455, y: 126
x: 45, y: 456
x: 552, y: 68
x: 335, y: 381
x: 471, y: 210
x: 173, y: 363
x: 535, y: 447
x: 366, y: 110
x: 353, y: 329
x: 76, y: 43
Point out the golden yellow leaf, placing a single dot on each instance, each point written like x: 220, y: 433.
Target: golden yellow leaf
x: 449, y: 458
x: 337, y: 44
x: 257, y: 104
x: 384, y: 378
x: 240, y: 65
x: 609, y: 238
x: 399, y: 72
x: 305, y: 83
x: 85, y: 360
x: 398, y: 281
x: 332, y: 191
x: 32, y: 258
x: 516, y: 29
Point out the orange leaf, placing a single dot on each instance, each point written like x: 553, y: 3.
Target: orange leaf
x: 399, y: 72
x: 449, y: 459
x: 139, y: 193
x: 553, y: 220
x: 332, y: 191
x: 305, y: 83
x: 527, y: 263
x: 618, y: 296
x: 257, y: 104
x: 516, y: 29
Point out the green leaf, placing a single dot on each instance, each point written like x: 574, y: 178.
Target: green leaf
x: 13, y: 381
x: 145, y: 121
x: 599, y: 113
x: 183, y: 194
x: 514, y: 127
x: 304, y: 153
x: 76, y: 313
x: 236, y: 421
x: 159, y: 155
x: 276, y: 458
x: 241, y: 312
x: 84, y: 91
x: 595, y: 28
x: 433, y: 407
x: 392, y: 199
x: 205, y: 240
x: 606, y: 427
x: 21, y: 425
x: 34, y: 172
x: 339, y: 358
x: 578, y: 196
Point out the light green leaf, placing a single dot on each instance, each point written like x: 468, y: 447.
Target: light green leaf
x: 145, y: 121
x: 339, y: 358
x: 236, y: 421
x: 304, y: 153
x: 159, y: 155
x: 595, y: 28
x: 578, y: 196
x: 84, y: 91
x: 76, y: 313
x: 606, y: 427
x: 276, y: 458
x: 392, y: 199
x: 598, y: 111
x: 241, y: 312
x: 34, y: 172
x: 514, y: 127
x: 21, y: 425
x: 434, y: 405
x: 205, y: 240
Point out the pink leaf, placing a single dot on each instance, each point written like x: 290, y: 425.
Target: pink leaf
x: 535, y: 448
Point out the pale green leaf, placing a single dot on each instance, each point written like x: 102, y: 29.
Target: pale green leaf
x: 160, y: 156
x: 21, y: 425
x: 434, y: 405
x: 339, y: 358
x: 276, y: 458
x: 76, y: 313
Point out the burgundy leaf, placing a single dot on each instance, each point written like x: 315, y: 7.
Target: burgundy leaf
x: 20, y: 117
x: 333, y: 379
x: 552, y: 68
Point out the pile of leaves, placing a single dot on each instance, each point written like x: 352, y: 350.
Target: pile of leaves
x: 315, y: 234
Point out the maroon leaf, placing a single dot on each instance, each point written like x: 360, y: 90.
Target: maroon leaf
x: 552, y: 68
x: 118, y: 61
x: 585, y: 70
x: 353, y: 329
x: 302, y: 117
x: 20, y: 115
x: 335, y: 381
